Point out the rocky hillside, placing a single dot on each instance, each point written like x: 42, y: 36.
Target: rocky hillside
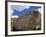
x: 31, y: 21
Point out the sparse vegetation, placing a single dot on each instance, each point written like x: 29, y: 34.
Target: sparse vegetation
x: 27, y: 22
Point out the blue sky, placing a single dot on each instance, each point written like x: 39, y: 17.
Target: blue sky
x: 18, y: 10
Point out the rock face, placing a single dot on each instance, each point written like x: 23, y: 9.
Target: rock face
x: 27, y: 22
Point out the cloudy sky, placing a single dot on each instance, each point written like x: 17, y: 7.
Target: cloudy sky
x: 20, y: 8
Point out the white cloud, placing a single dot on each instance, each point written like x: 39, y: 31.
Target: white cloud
x: 27, y: 7
x: 39, y: 9
x: 19, y: 7
x: 14, y: 16
x: 11, y: 12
